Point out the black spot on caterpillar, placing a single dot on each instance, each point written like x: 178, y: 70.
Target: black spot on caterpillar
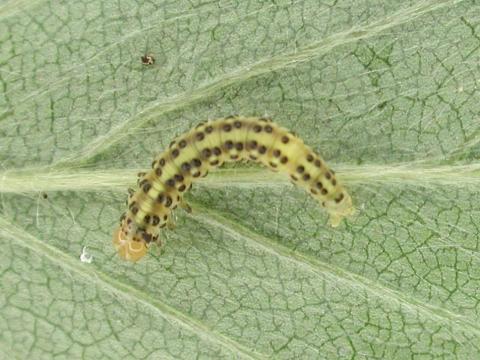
x: 209, y: 145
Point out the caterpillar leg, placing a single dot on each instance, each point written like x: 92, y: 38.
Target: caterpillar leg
x: 338, y: 208
x: 334, y: 220
x: 159, y: 246
x: 336, y: 217
x: 171, y: 223
x: 185, y: 206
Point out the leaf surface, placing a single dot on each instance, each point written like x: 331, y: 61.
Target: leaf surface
x: 386, y: 91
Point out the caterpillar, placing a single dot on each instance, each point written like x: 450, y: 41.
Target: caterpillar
x: 209, y: 145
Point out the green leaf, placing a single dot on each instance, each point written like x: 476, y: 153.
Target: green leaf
x: 386, y: 91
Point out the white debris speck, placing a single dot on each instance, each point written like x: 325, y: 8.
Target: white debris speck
x: 85, y: 256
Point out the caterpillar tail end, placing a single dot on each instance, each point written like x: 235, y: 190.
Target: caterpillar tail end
x: 128, y: 248
x: 338, y: 211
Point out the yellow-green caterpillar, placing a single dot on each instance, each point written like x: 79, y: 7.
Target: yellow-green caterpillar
x: 207, y: 146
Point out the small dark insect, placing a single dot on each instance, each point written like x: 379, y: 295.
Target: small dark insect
x: 148, y: 59
x: 44, y: 195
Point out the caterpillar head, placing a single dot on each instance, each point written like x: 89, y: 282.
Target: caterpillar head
x: 339, y: 208
x: 130, y: 240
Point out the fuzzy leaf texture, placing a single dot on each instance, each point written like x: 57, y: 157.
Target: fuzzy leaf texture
x: 386, y: 91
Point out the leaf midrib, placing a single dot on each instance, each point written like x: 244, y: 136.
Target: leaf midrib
x: 34, y: 180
